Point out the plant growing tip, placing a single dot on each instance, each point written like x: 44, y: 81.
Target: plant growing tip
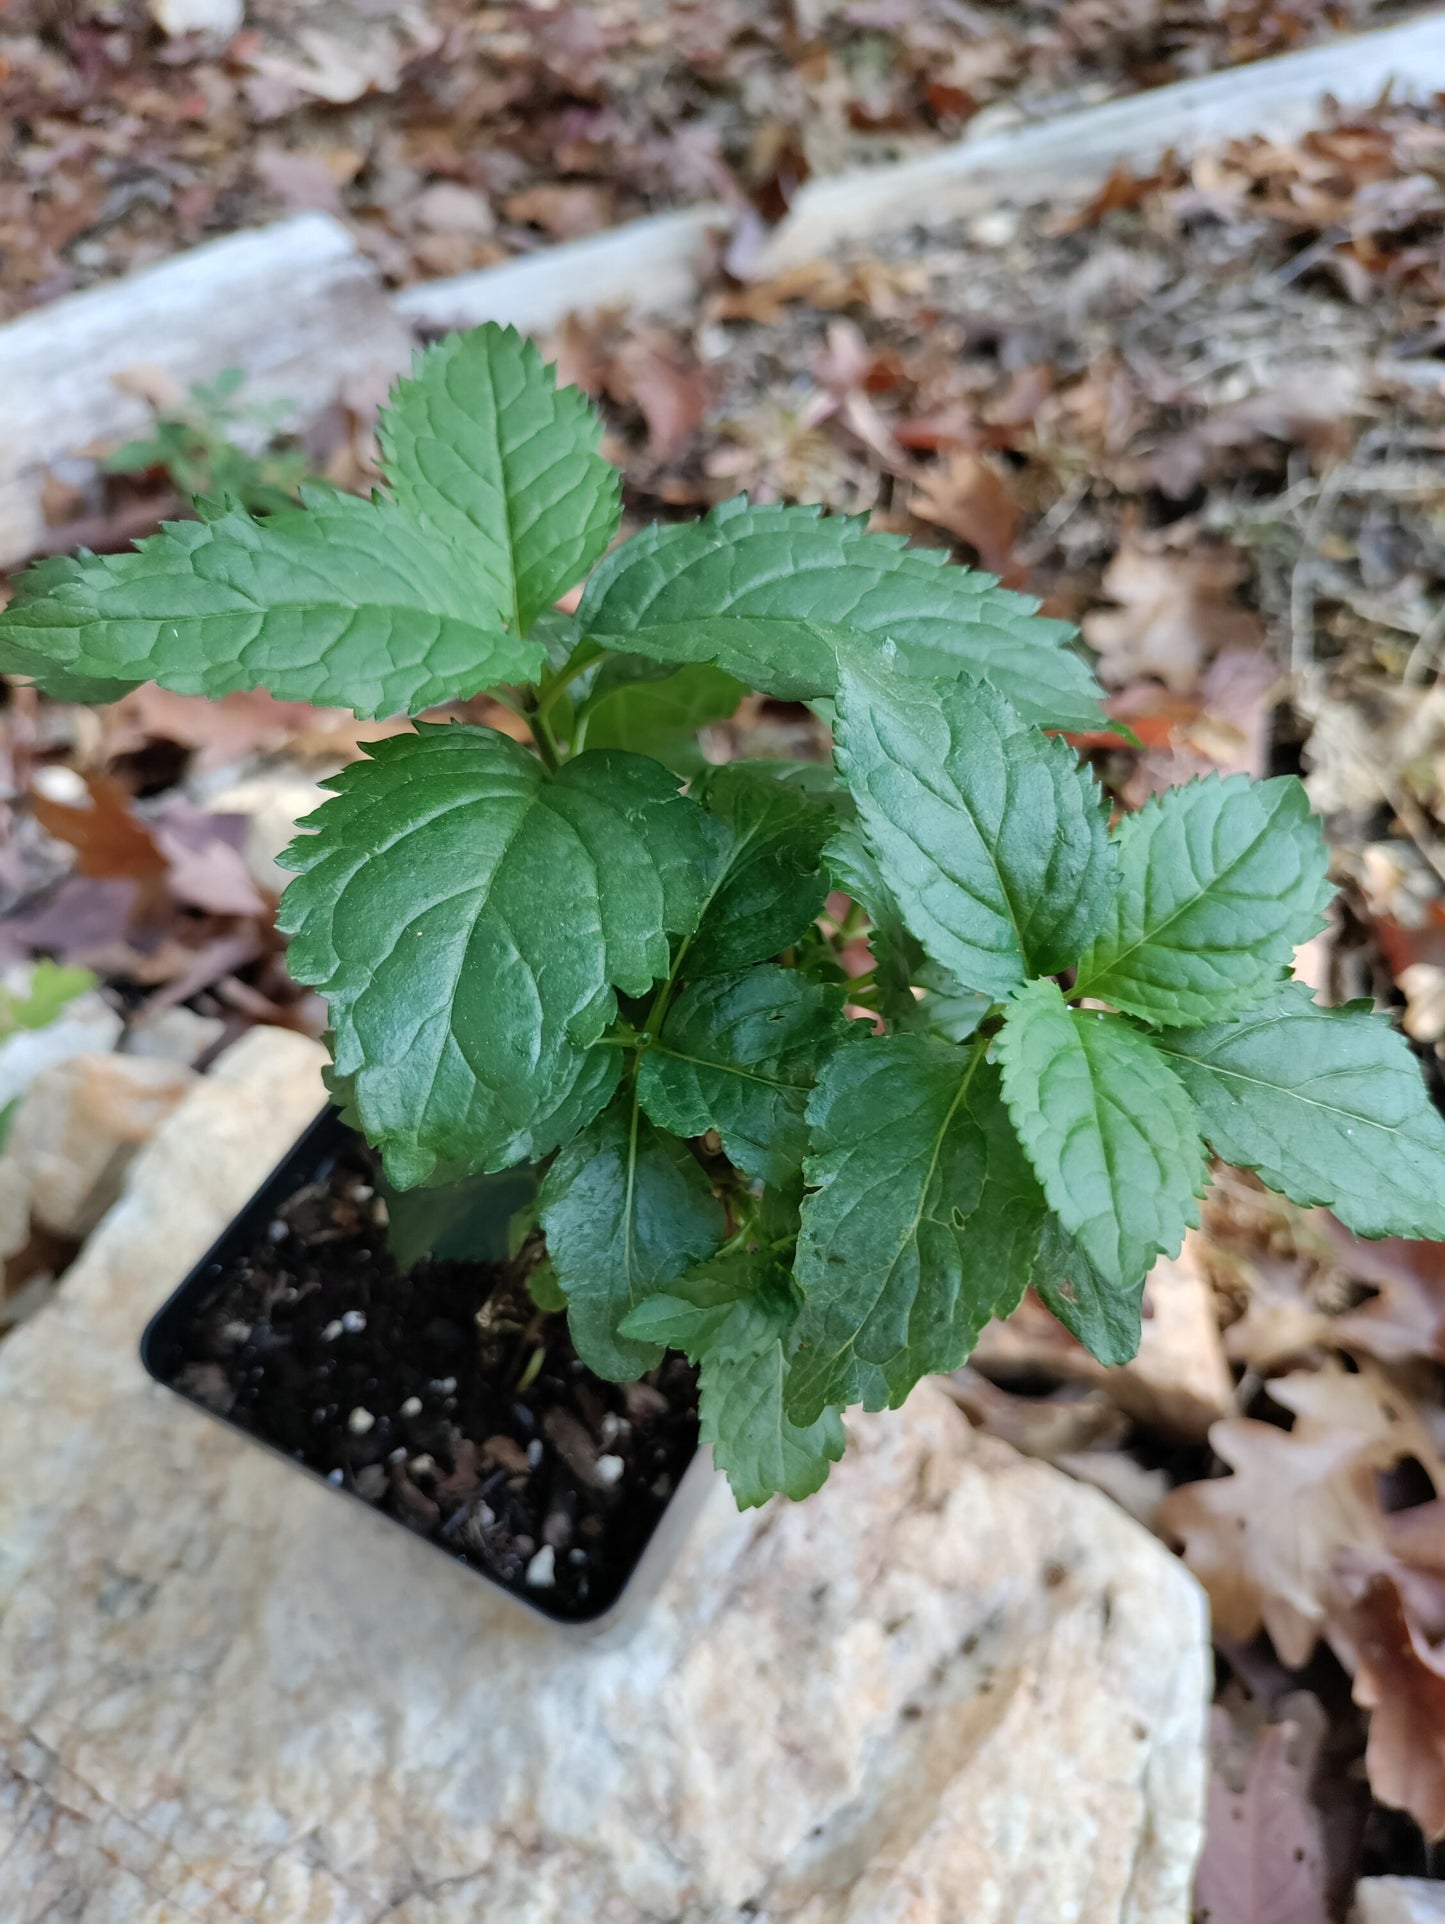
x: 601, y: 955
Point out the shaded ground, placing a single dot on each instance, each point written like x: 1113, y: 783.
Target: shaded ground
x: 450, y: 135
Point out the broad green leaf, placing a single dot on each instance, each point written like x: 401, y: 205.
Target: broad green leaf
x: 627, y: 1211
x: 1105, y: 1318
x: 944, y: 1009
x: 819, y: 780
x: 481, y: 443
x: 544, y: 1289
x: 739, y: 1054
x: 739, y: 1341
x: 344, y: 602
x: 779, y: 596
x: 992, y: 837
x: 468, y: 918
x: 1108, y: 1127
x: 1328, y: 1105
x: 766, y: 884
x: 921, y: 1225
x: 650, y: 709
x: 1219, y: 882
x: 462, y: 1222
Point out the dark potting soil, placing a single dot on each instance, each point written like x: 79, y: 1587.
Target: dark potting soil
x: 443, y: 1397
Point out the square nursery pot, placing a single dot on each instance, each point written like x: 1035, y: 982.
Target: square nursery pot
x: 296, y: 1330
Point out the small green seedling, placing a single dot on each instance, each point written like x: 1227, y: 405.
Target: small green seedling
x: 214, y: 447
x: 599, y: 955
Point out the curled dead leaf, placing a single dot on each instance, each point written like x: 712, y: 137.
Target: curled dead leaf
x: 1176, y: 611
x: 1401, y: 1682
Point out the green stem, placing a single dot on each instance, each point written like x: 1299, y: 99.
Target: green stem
x: 577, y: 663
x: 653, y: 1025
x: 544, y: 738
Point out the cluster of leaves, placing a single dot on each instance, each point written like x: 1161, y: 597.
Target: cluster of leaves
x: 600, y: 952
x: 215, y: 447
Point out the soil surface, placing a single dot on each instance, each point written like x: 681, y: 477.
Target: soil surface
x: 442, y: 1397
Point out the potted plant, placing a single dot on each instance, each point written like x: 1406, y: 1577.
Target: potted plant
x: 593, y: 957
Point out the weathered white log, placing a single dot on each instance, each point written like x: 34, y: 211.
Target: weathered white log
x: 1071, y: 156
x: 296, y: 306
x: 648, y: 266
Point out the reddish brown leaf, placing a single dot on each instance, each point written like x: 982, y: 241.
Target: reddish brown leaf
x: 1401, y: 1682
x: 671, y: 392
x: 111, y: 843
x: 968, y: 496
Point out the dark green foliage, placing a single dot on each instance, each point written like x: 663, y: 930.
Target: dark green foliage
x: 601, y: 960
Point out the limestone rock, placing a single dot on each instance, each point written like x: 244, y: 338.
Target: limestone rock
x: 174, y: 1035
x: 78, y: 1126
x: 954, y: 1688
x: 1399, y: 1900
x: 88, y: 1026
x: 14, y: 1209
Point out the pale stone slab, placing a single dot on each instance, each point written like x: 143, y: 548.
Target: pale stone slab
x: 295, y: 306
x: 649, y: 266
x: 953, y: 1689
x: 1069, y: 156
x: 1399, y: 1900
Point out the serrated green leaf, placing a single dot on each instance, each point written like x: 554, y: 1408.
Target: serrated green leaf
x: 1327, y: 1105
x: 921, y: 1223
x: 1219, y: 882
x: 344, y: 602
x: 945, y: 1009
x: 735, y: 1323
x: 650, y: 709
x: 1106, y: 1319
x: 766, y: 883
x: 739, y: 1053
x: 778, y: 596
x: 992, y: 837
x: 627, y: 1211
x: 1108, y: 1127
x: 468, y: 918
x: 481, y: 442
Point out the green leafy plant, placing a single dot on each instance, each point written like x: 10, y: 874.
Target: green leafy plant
x: 215, y: 447
x: 599, y: 958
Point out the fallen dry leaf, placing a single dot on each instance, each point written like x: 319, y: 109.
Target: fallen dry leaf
x: 671, y: 392
x: 1266, y: 1542
x: 1407, y: 1316
x: 1176, y: 611
x: 250, y: 722
x: 1401, y: 1682
x: 1264, y: 1852
x: 111, y: 843
x: 566, y: 212
x: 968, y: 496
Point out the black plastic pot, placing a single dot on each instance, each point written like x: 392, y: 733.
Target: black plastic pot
x: 170, y: 1345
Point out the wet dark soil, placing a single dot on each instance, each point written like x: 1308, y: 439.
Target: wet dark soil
x: 442, y: 1397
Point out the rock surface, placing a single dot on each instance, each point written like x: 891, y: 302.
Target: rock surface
x: 1399, y: 1900
x: 955, y: 1688
x: 78, y: 1126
